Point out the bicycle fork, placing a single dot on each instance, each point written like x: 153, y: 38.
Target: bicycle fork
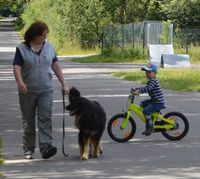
x: 125, y: 121
x: 136, y: 110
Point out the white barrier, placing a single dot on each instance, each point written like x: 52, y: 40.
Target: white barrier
x: 163, y: 54
x: 178, y: 60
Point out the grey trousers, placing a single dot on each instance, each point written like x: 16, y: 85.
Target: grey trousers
x: 38, y: 104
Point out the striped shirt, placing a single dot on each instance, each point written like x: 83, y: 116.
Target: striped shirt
x: 154, y: 91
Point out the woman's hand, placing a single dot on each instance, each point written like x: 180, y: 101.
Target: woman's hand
x: 65, y: 90
x: 22, y: 87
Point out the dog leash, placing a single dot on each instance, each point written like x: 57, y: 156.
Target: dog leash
x: 63, y: 139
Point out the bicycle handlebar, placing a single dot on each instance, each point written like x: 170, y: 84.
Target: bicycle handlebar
x: 132, y: 96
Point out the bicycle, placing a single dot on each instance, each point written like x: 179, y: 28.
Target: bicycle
x: 122, y: 127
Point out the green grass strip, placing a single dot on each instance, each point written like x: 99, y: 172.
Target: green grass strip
x: 173, y: 79
x: 103, y: 59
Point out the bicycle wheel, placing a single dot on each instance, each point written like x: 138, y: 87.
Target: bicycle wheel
x: 181, y: 129
x: 116, y: 132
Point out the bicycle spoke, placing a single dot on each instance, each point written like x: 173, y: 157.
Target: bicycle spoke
x: 126, y: 134
x: 177, y: 133
x: 180, y: 128
x: 116, y: 131
x: 115, y: 122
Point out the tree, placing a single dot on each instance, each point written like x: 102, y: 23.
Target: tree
x: 116, y: 9
x: 86, y: 20
x: 183, y: 13
x: 16, y: 7
x: 155, y: 11
x: 126, y: 11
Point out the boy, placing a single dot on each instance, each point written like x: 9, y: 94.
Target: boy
x: 156, y: 101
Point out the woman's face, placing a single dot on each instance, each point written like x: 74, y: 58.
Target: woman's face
x: 41, y: 38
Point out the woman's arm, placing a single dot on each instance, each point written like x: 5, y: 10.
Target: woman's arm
x: 18, y: 76
x: 59, y: 74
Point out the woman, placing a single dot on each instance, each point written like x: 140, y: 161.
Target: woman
x: 33, y: 63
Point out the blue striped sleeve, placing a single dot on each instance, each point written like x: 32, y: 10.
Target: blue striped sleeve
x: 149, y: 87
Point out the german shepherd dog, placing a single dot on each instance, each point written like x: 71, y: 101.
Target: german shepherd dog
x: 90, y: 119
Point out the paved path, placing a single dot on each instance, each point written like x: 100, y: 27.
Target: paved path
x: 151, y: 157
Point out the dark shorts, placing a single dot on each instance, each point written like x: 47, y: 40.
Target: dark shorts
x: 150, y: 107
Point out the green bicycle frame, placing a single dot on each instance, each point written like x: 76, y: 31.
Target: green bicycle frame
x: 169, y: 124
x: 137, y: 110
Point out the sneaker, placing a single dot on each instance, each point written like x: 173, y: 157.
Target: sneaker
x: 29, y: 155
x: 49, y: 151
x: 148, y: 131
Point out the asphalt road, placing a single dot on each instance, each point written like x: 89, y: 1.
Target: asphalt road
x: 152, y: 157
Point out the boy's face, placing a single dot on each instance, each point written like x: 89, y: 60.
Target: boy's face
x: 150, y: 74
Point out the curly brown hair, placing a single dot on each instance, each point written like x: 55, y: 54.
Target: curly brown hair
x: 36, y: 29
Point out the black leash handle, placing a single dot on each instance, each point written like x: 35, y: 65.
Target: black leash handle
x: 63, y: 139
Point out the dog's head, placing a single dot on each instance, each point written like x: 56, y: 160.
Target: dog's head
x: 73, y: 94
x: 75, y: 102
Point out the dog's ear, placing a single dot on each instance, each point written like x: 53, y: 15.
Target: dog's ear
x: 74, y: 92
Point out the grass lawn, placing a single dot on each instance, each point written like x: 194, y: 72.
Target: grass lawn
x: 173, y: 79
x: 103, y: 59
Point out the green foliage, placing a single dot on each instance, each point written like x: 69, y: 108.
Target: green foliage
x: 15, y: 7
x: 136, y: 10
x: 155, y: 11
x: 193, y: 52
x: 126, y: 11
x: 53, y: 13
x: 71, y: 49
x: 174, y: 79
x: 80, y: 23
x: 165, y: 36
x: 131, y: 54
x: 183, y: 13
x: 85, y: 22
x: 107, y: 52
x: 117, y: 56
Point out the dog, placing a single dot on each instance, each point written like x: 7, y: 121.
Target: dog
x: 90, y: 119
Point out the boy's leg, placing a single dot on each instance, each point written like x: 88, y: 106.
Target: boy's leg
x: 145, y: 103
x: 148, y: 110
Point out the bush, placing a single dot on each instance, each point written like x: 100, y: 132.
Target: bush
x: 107, y: 52
x: 124, y: 54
